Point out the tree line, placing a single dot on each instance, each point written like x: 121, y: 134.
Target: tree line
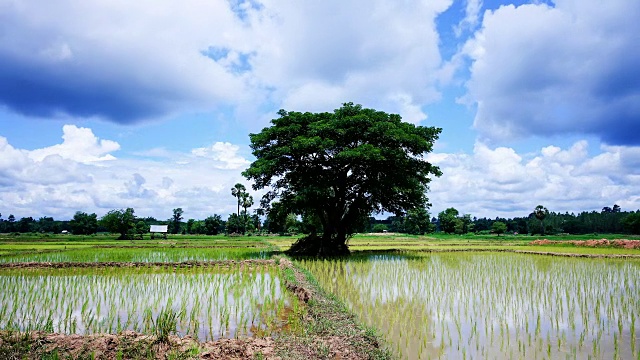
x: 541, y: 221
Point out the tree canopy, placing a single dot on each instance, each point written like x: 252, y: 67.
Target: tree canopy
x: 83, y: 223
x: 341, y: 166
x: 120, y: 221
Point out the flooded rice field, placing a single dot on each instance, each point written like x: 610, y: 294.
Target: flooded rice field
x: 209, y: 302
x: 492, y: 305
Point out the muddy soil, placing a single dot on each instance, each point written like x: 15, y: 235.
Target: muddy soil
x: 184, y: 264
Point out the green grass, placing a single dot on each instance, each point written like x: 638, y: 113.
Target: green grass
x: 147, y: 254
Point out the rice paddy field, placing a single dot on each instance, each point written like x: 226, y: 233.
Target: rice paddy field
x: 426, y: 297
x: 488, y: 305
x: 209, y: 302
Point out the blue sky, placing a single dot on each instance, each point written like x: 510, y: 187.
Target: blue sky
x: 149, y: 104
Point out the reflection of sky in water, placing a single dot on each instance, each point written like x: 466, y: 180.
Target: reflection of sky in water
x: 494, y: 305
x: 222, y: 305
x: 140, y: 255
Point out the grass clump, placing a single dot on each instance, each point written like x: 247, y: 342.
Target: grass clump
x: 165, y: 324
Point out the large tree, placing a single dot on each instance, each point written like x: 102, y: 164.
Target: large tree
x: 237, y: 191
x: 176, y: 219
x: 448, y: 220
x: 631, y: 222
x: 340, y: 167
x: 120, y: 221
x: 83, y: 223
x: 212, y: 224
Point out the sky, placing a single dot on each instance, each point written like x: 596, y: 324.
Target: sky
x: 111, y: 104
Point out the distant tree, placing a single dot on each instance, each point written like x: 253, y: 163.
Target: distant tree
x: 499, y: 227
x: 276, y: 216
x: 190, y: 226
x: 378, y: 228
x: 83, y: 223
x: 237, y: 190
x: 234, y: 224
x: 246, y: 202
x: 418, y: 222
x: 24, y: 224
x: 616, y: 208
x: 175, y: 220
x: 121, y: 222
x: 341, y: 166
x: 255, y: 221
x: 541, y: 213
x: 141, y: 228
x: 447, y: 219
x: 467, y: 225
x: 47, y: 224
x: 10, y: 223
x: 212, y: 224
x: 198, y: 227
x: 291, y: 224
x: 631, y: 223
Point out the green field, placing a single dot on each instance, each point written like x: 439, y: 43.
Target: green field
x: 427, y: 297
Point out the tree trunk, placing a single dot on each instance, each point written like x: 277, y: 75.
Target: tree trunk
x: 333, y: 242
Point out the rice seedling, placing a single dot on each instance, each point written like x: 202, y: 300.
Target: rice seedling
x: 204, y: 302
x: 149, y: 254
x: 492, y: 305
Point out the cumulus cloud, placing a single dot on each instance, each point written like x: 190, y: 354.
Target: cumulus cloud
x: 565, y: 69
x: 122, y: 62
x: 114, y: 60
x: 500, y: 182
x: 489, y: 181
x: 54, y: 181
x: 80, y: 145
x: 224, y: 153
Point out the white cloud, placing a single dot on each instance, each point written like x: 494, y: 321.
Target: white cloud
x: 567, y: 69
x: 56, y: 181
x: 490, y: 181
x: 130, y: 62
x: 471, y: 17
x: 500, y: 182
x: 224, y: 153
x: 79, y: 144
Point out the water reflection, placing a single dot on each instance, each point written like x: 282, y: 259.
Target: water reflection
x: 484, y: 305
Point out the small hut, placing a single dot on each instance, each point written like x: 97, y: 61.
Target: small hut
x: 158, y: 229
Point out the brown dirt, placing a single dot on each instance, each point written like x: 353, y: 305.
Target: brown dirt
x: 217, y: 263
x: 620, y: 243
x: 130, y: 344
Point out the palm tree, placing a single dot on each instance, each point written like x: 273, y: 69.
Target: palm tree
x: 247, y: 201
x: 541, y: 212
x: 237, y: 190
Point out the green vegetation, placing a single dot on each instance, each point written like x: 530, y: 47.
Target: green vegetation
x: 222, y: 301
x: 469, y: 305
x: 407, y: 288
x: 147, y: 255
x: 335, y: 169
x: 121, y: 222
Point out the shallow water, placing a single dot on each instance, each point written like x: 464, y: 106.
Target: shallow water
x: 211, y: 304
x: 489, y: 305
